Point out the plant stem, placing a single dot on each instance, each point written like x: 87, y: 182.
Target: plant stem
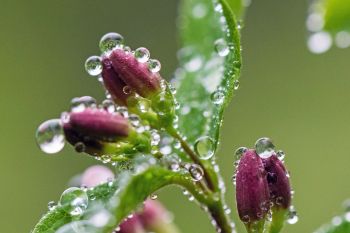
x: 221, y: 219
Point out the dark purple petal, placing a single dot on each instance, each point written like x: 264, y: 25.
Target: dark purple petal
x: 135, y: 74
x: 252, y: 194
x: 113, y: 83
x: 278, y: 181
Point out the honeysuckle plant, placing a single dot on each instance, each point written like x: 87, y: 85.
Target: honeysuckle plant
x: 155, y: 131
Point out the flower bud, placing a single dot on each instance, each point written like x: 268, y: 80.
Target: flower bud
x: 95, y: 175
x: 252, y: 194
x: 280, y: 191
x: 134, y: 73
x: 153, y: 214
x: 131, y: 225
x: 113, y: 83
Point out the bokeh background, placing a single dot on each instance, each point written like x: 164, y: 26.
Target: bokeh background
x: 298, y: 99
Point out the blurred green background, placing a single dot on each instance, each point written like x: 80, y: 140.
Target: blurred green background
x: 298, y: 99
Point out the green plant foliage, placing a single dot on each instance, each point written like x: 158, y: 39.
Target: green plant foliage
x: 337, y: 15
x: 339, y: 224
x: 205, y: 80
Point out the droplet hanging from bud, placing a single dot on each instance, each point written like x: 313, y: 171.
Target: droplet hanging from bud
x: 93, y: 65
x: 111, y: 41
x: 50, y: 137
x: 264, y: 147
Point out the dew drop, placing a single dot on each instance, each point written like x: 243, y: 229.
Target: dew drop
x: 50, y: 136
x: 218, y: 97
x: 292, y: 217
x: 236, y: 84
x: 239, y: 152
x: 93, y: 65
x: 142, y: 55
x: 51, y: 205
x: 281, y: 155
x: 111, y: 41
x: 264, y: 147
x: 108, y: 105
x: 74, y: 201
x: 153, y: 196
x: 79, y: 147
x: 154, y: 65
x: 79, y: 104
x: 245, y: 219
x: 196, y: 172
x: 204, y: 147
x: 221, y: 47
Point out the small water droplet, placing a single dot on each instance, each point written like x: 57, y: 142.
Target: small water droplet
x: 292, y: 217
x: 236, y: 84
x: 153, y: 196
x: 221, y: 47
x: 127, y: 90
x: 93, y: 65
x: 281, y: 155
x: 319, y: 42
x: 196, y: 172
x: 218, y: 97
x: 74, y: 201
x: 264, y: 147
x: 111, y: 41
x: 204, y: 147
x: 79, y: 147
x: 245, y: 219
x: 50, y: 136
x: 154, y: 65
x: 108, y: 105
x: 142, y: 55
x: 239, y: 152
x: 51, y: 205
x: 79, y: 104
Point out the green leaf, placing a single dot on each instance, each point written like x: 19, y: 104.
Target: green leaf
x: 202, y: 72
x: 339, y: 224
x: 337, y: 15
x: 119, y: 200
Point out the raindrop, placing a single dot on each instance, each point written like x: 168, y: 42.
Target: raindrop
x: 218, y: 97
x: 111, y: 41
x: 319, y: 42
x: 292, y: 217
x: 264, y: 147
x: 142, y: 55
x: 79, y: 104
x: 154, y: 65
x: 204, y: 147
x: 74, y: 201
x: 93, y: 65
x: 50, y: 136
x: 196, y: 172
x: 221, y: 47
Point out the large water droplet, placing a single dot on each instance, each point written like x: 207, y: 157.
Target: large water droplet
x: 50, y: 137
x: 154, y: 65
x: 204, y: 147
x: 264, y: 147
x: 218, y: 97
x: 74, y: 201
x: 292, y: 217
x: 239, y: 152
x: 93, y: 65
x: 196, y: 172
x: 319, y: 42
x: 222, y: 48
x: 79, y: 104
x: 111, y: 41
x: 142, y: 55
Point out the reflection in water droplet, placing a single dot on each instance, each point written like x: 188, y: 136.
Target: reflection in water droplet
x: 239, y: 152
x: 196, y: 172
x: 111, y: 41
x: 264, y: 147
x: 204, y: 147
x: 154, y: 65
x: 221, y: 47
x: 93, y: 65
x: 50, y: 137
x: 218, y: 97
x: 74, y: 201
x: 142, y: 55
x: 280, y: 155
x: 292, y: 217
x: 51, y: 205
x: 319, y: 42
x: 153, y: 196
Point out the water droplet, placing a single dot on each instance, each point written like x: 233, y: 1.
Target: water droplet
x: 127, y: 90
x: 233, y: 179
x: 196, y: 172
x: 108, y: 105
x: 319, y: 42
x: 51, y: 205
x: 218, y: 97
x: 204, y: 147
x: 111, y: 41
x: 239, y: 152
x: 221, y: 47
x: 153, y: 196
x: 236, y: 84
x: 292, y: 217
x: 93, y: 66
x: 79, y: 147
x: 79, y: 104
x: 342, y: 39
x: 154, y: 65
x: 135, y: 120
x: 245, y: 219
x: 280, y: 155
x: 142, y: 55
x: 74, y: 201
x: 50, y: 137
x: 264, y: 147
x: 155, y: 138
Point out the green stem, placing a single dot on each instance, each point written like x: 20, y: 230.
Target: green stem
x: 218, y: 214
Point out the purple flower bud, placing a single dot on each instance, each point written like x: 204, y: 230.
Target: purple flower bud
x: 153, y: 214
x: 278, y: 181
x: 131, y: 225
x: 98, y: 124
x: 252, y: 194
x: 134, y: 73
x: 96, y: 174
x: 113, y: 83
